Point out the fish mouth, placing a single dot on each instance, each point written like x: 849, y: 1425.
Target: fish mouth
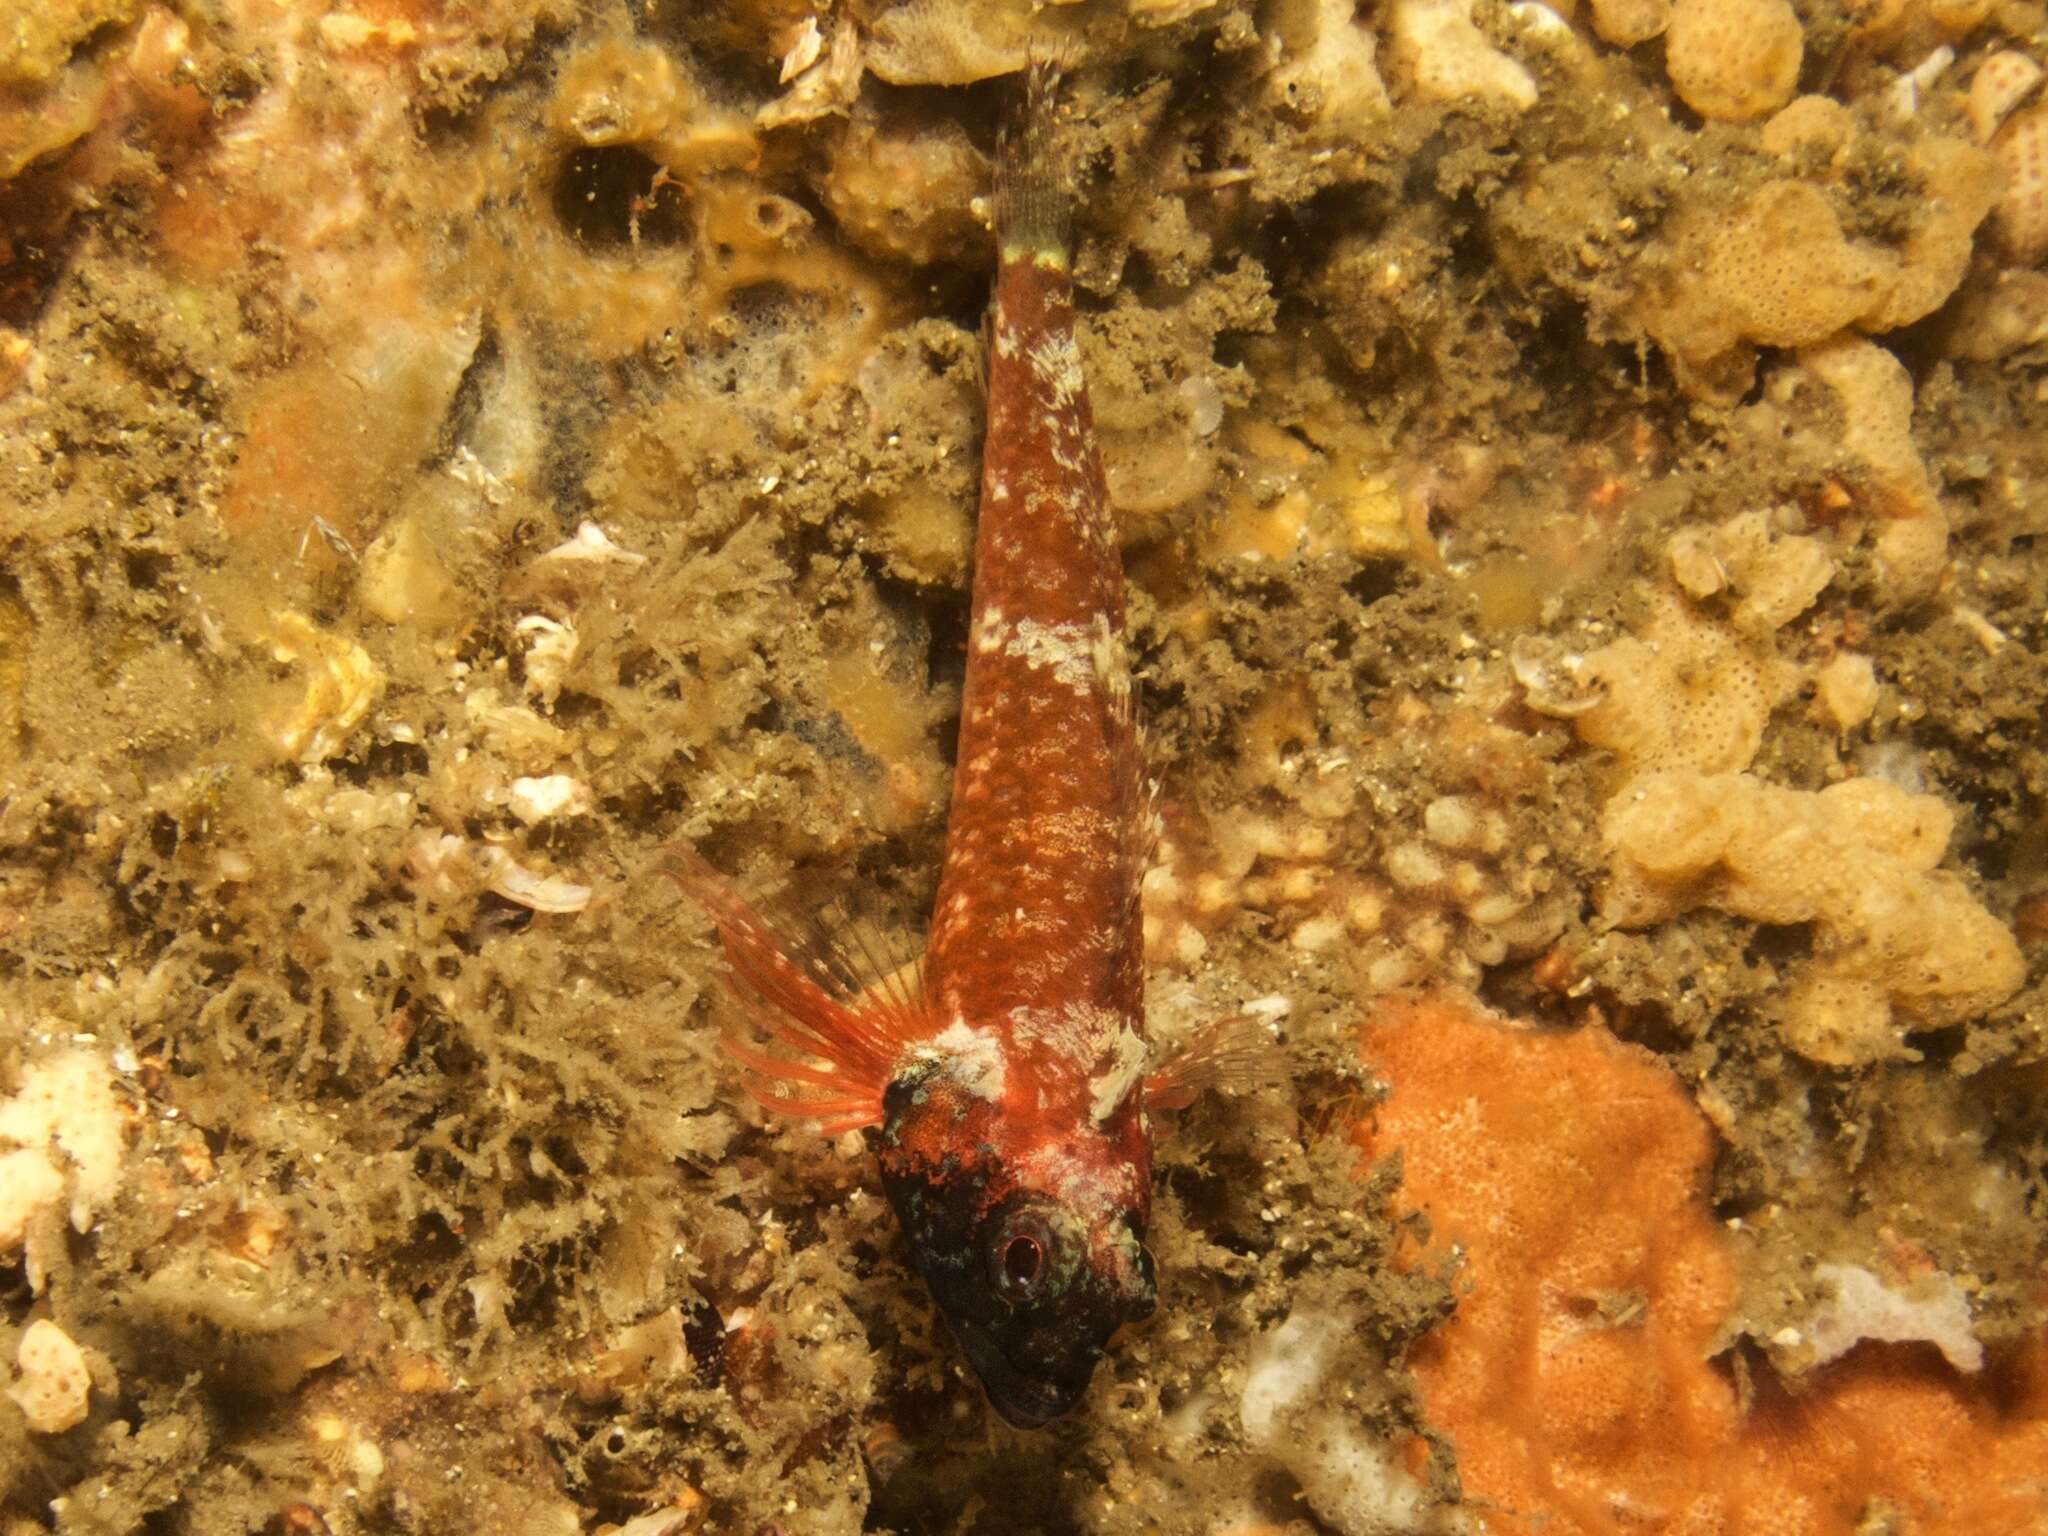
x: 1025, y: 1401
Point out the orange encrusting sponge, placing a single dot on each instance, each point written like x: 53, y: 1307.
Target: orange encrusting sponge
x: 1574, y: 1378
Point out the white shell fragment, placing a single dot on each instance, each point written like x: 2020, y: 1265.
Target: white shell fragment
x: 592, y: 545
x: 512, y: 880
x: 827, y: 77
x: 803, y: 53
x: 439, y: 862
x: 1550, y: 677
x: 551, y: 649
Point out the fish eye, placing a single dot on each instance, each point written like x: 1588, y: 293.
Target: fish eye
x: 1022, y: 1258
x: 1020, y: 1255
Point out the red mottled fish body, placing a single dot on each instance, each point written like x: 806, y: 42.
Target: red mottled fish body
x: 1005, y: 1084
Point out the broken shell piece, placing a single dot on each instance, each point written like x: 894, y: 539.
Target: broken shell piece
x: 439, y: 862
x: 551, y: 647
x: 1907, y: 90
x: 592, y: 545
x: 1204, y: 403
x: 2001, y: 83
x: 824, y: 85
x: 1552, y: 683
x: 539, y: 893
x: 803, y: 53
x: 684, y: 1515
x: 403, y: 578
x: 540, y: 799
x: 342, y: 682
x: 55, y: 1385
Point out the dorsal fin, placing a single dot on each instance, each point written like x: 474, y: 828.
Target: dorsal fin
x: 831, y: 999
x: 1034, y: 216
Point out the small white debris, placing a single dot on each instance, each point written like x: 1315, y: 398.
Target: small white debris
x: 1204, y: 402
x: 55, y: 1385
x: 592, y: 545
x: 685, y: 1516
x: 1982, y: 630
x: 63, y: 1127
x: 1291, y: 1407
x: 1864, y: 1307
x: 542, y: 799
x: 1542, y: 23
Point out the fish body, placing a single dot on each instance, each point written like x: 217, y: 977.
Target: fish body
x: 1005, y: 1085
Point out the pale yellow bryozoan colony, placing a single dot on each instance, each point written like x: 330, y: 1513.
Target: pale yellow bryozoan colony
x: 1875, y: 394
x: 1961, y: 187
x: 1625, y: 23
x: 1781, y: 271
x: 1733, y: 60
x: 1899, y: 945
x: 1682, y: 693
x: 1784, y: 272
x: 1819, y: 125
x: 1439, y: 54
x: 1775, y: 577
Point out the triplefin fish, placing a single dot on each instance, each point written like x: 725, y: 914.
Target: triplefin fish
x: 1003, y: 1081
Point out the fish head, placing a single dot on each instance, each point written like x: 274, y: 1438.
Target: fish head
x: 1032, y: 1248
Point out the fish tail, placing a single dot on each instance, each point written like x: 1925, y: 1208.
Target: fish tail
x: 1034, y: 216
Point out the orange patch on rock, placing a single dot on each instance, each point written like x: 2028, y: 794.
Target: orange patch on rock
x: 1574, y: 1378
